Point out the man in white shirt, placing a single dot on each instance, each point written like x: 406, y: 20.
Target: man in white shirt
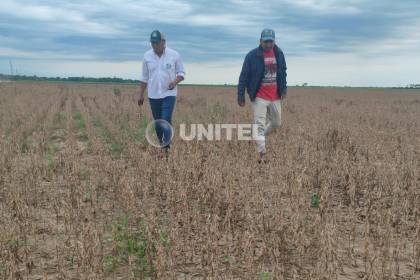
x: 161, y: 72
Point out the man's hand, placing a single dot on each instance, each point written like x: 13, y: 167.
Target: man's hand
x: 284, y: 94
x: 172, y: 85
x: 140, y: 93
x: 140, y: 101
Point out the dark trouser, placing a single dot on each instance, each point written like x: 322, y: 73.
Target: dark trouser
x: 162, y: 109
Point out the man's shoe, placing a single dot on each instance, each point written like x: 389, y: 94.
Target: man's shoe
x: 262, y: 158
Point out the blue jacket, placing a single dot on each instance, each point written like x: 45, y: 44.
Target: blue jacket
x: 253, y: 72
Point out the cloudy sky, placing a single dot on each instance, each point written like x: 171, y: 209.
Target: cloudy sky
x: 326, y: 42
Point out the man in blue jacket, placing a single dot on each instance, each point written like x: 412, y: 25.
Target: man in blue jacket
x: 263, y: 75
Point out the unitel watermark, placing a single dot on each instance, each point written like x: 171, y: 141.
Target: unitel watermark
x: 159, y: 133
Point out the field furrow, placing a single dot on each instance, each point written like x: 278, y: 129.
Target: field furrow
x: 84, y: 196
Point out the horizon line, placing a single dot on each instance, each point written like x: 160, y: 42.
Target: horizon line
x: 58, y: 79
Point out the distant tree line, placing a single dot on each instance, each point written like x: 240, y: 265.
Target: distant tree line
x: 68, y: 79
x: 410, y: 86
x: 114, y: 80
x: 414, y: 86
x: 4, y: 77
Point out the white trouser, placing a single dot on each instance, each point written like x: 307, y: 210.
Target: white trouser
x: 267, y: 115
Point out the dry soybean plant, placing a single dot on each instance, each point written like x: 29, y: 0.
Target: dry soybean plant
x: 83, y: 196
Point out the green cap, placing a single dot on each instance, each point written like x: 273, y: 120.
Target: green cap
x: 156, y: 37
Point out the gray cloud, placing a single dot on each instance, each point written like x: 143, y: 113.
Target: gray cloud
x: 204, y: 30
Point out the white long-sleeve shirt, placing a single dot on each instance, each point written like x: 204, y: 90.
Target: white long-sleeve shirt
x: 159, y: 72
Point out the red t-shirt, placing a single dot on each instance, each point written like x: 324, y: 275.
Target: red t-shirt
x: 268, y: 89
